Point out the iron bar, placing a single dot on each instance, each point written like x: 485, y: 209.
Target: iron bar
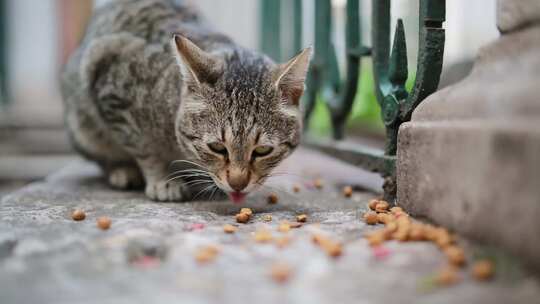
x: 390, y: 74
x: 270, y: 26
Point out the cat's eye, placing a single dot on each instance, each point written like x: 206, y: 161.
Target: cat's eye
x: 218, y: 148
x: 261, y: 151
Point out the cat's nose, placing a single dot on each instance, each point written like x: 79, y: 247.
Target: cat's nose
x: 238, y: 179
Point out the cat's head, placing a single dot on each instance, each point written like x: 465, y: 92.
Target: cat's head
x: 239, y: 114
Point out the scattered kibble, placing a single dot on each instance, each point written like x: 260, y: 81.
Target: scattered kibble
x: 385, y: 218
x: 370, y: 218
x: 318, y: 183
x: 247, y: 211
x: 284, y: 227
x: 104, y: 223
x: 273, y: 198
x: 347, y: 191
x: 302, y: 218
x: 263, y: 236
x: 332, y: 248
x: 382, y: 206
x: 396, y: 210
x: 455, y: 255
x: 483, y: 270
x: 443, y: 239
x: 267, y: 218
x: 242, y: 218
x: 229, y: 228
x: 372, y: 203
x: 296, y: 188
x: 417, y: 233
x: 391, y: 227
x: 78, y: 215
x: 206, y: 254
x: 447, y: 276
x: 295, y: 225
x: 280, y: 272
x: 283, y: 241
x: 376, y: 238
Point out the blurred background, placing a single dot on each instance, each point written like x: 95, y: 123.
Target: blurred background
x: 37, y: 36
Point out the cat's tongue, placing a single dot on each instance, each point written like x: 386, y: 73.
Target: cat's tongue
x: 237, y: 197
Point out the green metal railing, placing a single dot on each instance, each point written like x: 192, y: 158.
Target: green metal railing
x: 3, y: 53
x: 389, y: 70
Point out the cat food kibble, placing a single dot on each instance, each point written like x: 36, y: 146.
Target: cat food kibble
x: 206, y: 254
x: 273, y: 198
x: 295, y: 225
x: 280, y: 272
x: 262, y: 236
x: 229, y: 228
x: 370, y: 218
x: 296, y: 188
x: 447, y: 276
x: 284, y: 227
x: 78, y: 215
x: 396, y: 210
x: 382, y: 206
x: 283, y: 241
x: 104, y: 223
x: 318, y: 183
x: 247, y: 211
x: 416, y: 233
x: 332, y: 248
x: 347, y: 191
x: 376, y: 238
x: 242, y: 218
x: 372, y: 203
x: 302, y: 218
x: 455, y: 255
x: 483, y: 270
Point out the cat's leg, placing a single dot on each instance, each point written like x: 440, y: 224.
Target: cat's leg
x: 125, y: 177
x: 159, y: 186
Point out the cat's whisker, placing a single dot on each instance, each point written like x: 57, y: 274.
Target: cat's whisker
x: 199, y: 183
x: 184, y: 176
x: 187, y: 175
x: 203, y: 190
x: 214, y: 192
x: 189, y: 171
x: 188, y: 162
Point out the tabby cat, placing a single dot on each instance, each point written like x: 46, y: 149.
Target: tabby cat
x: 152, y: 83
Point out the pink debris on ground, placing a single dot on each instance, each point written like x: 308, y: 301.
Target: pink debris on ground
x: 196, y: 226
x: 309, y: 185
x: 381, y: 252
x: 147, y: 262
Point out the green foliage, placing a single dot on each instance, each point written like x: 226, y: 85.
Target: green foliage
x: 365, y: 114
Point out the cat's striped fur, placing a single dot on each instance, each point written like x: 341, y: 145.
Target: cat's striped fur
x: 152, y: 83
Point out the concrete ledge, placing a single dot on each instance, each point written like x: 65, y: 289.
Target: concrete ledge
x: 479, y: 177
x: 515, y: 14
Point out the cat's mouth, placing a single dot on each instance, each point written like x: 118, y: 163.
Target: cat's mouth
x: 237, y: 197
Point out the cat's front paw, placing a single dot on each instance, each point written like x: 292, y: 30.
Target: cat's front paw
x: 164, y: 191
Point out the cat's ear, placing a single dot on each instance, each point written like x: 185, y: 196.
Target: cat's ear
x: 290, y: 77
x: 196, y: 65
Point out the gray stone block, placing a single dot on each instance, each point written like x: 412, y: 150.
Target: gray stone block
x: 515, y: 14
x: 479, y: 178
x: 503, y: 84
x: 470, y: 157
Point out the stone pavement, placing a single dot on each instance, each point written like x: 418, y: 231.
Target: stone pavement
x: 46, y: 257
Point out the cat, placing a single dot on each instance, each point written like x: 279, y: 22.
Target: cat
x: 151, y: 83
